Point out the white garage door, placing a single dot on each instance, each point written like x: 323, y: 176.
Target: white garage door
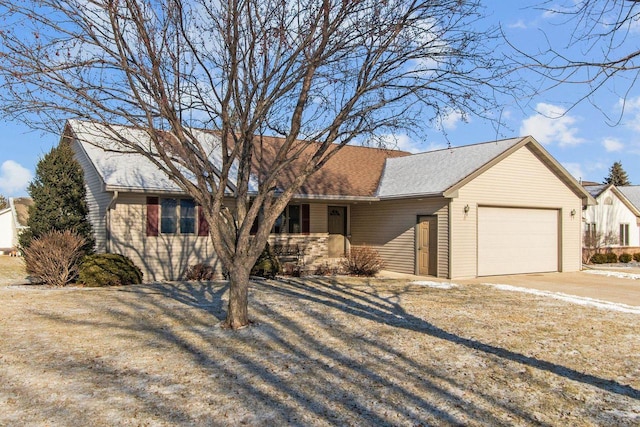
x: 515, y: 240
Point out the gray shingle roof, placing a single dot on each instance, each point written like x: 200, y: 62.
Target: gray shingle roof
x: 434, y: 172
x: 596, y: 190
x: 632, y: 193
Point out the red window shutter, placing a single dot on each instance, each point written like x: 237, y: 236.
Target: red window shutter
x: 152, y: 216
x: 203, y: 225
x: 306, y: 222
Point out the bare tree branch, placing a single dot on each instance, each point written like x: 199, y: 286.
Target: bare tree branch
x: 600, y: 46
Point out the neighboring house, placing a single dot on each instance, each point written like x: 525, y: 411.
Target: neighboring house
x: 632, y: 194
x: 614, y: 221
x: 13, y: 220
x: 502, y: 207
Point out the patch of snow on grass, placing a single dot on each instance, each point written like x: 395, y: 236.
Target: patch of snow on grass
x: 619, y: 274
x: 605, y: 305
x: 438, y: 285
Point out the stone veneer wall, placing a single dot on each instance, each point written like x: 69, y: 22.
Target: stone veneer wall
x: 314, y: 246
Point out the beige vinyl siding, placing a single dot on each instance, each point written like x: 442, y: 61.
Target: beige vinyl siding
x: 390, y: 227
x: 166, y: 257
x: 162, y: 257
x: 520, y: 180
x: 97, y: 198
x: 318, y: 218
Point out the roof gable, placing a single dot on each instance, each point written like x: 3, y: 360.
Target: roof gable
x: 121, y: 168
x: 443, y: 172
x: 632, y: 194
x: 434, y: 172
x: 596, y: 190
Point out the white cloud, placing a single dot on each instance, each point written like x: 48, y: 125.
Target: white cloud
x: 631, y: 108
x: 551, y: 124
x: 14, y: 178
x: 612, y: 144
x: 519, y: 24
x: 575, y: 169
x: 450, y: 120
x: 400, y: 142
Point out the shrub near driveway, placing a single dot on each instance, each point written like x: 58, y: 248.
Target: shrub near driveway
x: 321, y: 352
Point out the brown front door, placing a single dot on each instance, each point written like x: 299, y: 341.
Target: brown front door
x: 427, y: 247
x: 337, y: 230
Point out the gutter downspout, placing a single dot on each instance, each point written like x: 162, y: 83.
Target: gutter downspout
x: 110, y: 207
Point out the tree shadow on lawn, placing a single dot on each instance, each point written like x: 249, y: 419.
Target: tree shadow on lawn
x: 275, y: 332
x: 372, y: 307
x: 281, y: 370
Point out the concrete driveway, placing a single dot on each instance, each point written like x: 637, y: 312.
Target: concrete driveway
x: 582, y: 283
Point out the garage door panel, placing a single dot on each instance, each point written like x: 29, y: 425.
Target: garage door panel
x: 517, y: 240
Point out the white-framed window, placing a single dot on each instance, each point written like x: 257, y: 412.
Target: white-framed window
x: 624, y: 234
x: 177, y: 216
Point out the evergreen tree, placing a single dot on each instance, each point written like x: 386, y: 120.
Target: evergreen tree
x: 58, y: 195
x: 4, y: 203
x: 617, y: 175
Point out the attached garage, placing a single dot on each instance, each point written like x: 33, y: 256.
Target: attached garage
x: 524, y: 237
x: 511, y: 208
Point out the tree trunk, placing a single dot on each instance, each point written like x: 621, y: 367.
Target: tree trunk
x: 237, y: 313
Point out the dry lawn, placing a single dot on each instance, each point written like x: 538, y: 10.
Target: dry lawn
x: 321, y: 352
x: 12, y: 270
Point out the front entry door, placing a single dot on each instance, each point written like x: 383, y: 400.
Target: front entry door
x: 337, y: 231
x: 427, y: 258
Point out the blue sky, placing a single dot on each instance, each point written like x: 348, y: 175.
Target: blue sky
x: 581, y: 138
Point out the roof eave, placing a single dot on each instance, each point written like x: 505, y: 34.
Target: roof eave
x: 413, y: 196
x: 335, y: 197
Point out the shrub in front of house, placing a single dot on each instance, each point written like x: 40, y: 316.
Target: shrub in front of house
x: 625, y: 257
x: 324, y: 269
x: 267, y: 264
x: 108, y: 270
x: 612, y: 258
x: 200, y: 272
x: 292, y: 269
x: 362, y: 261
x: 54, y: 257
x: 636, y: 257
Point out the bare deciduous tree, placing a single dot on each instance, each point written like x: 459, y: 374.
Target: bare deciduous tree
x: 600, y: 43
x: 595, y: 241
x: 331, y: 72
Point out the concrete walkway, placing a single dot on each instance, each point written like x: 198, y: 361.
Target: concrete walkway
x: 582, y: 284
